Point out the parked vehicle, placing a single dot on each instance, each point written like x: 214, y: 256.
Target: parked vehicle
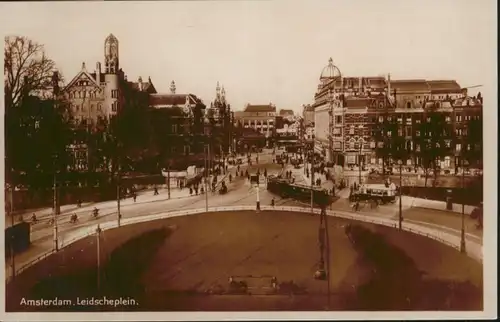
x: 380, y: 193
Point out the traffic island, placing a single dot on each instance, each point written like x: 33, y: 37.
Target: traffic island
x: 185, y: 264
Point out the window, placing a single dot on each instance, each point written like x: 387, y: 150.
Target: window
x: 458, y: 147
x: 114, y: 93
x: 400, y: 132
x: 408, y: 120
x: 417, y: 133
x: 187, y: 149
x: 174, y: 128
x: 114, y: 107
x: 459, y: 118
x: 389, y: 133
x: 99, y: 107
x: 91, y: 107
x: 389, y: 118
x: 84, y: 93
x: 428, y: 119
x: 400, y: 120
x: 417, y: 121
x: 173, y: 149
x: 448, y: 119
x: 447, y: 143
x: 338, y: 119
x: 351, y: 130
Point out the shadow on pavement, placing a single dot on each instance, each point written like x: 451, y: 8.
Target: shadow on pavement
x: 397, y: 284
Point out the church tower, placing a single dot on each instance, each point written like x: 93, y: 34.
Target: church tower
x: 111, y: 76
x: 111, y: 56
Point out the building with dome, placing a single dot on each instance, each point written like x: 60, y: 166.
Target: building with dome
x: 358, y: 119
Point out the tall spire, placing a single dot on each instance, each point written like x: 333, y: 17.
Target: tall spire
x: 223, y: 94
x: 217, y: 90
x: 172, y: 87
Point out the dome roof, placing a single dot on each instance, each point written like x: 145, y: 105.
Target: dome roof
x: 330, y: 71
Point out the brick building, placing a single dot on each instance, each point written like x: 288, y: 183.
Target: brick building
x: 361, y: 119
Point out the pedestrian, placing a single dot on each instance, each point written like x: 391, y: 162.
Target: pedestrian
x: 134, y: 195
x: 190, y: 191
x: 196, y: 190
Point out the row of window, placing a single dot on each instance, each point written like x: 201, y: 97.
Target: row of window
x: 90, y: 94
x: 355, y: 118
x: 77, y: 108
x: 84, y: 94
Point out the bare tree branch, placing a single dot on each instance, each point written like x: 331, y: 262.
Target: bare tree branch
x: 26, y: 68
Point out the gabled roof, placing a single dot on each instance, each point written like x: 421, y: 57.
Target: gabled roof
x: 146, y: 87
x: 164, y: 100
x: 101, y: 80
x: 260, y: 108
x: 83, y: 74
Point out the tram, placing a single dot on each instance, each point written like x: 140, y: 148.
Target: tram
x: 285, y: 189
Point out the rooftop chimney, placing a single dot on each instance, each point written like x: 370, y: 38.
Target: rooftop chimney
x: 140, y: 83
x: 388, y: 85
x: 98, y: 73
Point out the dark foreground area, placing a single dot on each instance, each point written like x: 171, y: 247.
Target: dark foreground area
x: 184, y: 264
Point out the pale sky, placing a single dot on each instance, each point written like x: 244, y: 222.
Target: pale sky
x: 268, y: 51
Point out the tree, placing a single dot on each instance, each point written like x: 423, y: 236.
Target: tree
x: 473, y: 143
x: 26, y: 69
x: 433, y: 133
x: 36, y: 138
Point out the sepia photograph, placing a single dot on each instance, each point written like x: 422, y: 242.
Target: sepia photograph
x: 268, y: 158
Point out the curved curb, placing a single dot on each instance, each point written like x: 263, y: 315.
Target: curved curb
x: 474, y: 250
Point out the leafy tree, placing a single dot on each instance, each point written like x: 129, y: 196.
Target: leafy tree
x: 36, y: 139
x: 26, y: 69
x: 433, y: 135
x: 473, y: 143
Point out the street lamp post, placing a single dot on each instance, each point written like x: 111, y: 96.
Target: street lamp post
x: 118, y: 195
x: 207, y: 156
x: 400, y: 194
x: 56, y: 237
x: 12, y: 237
x: 312, y: 176
x: 98, y: 237
x: 258, y: 195
x: 359, y: 165
x: 462, y: 231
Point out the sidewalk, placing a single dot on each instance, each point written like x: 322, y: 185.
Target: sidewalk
x: 301, y: 177
x: 142, y: 197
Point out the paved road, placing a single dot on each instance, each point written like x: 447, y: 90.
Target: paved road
x: 277, y: 243
x: 241, y: 192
